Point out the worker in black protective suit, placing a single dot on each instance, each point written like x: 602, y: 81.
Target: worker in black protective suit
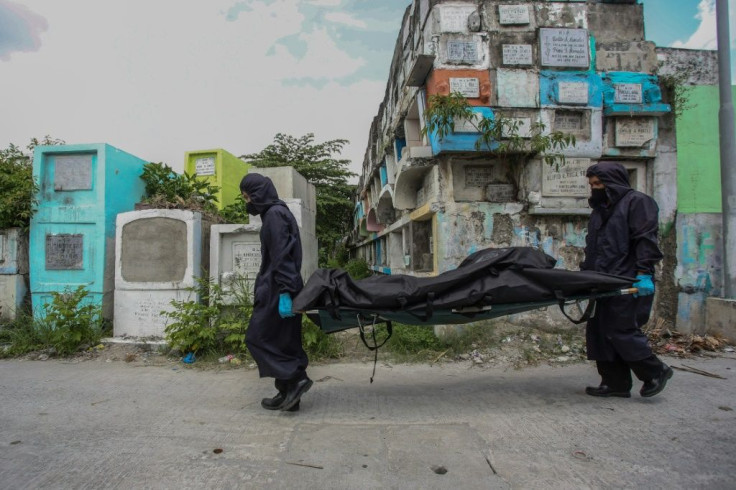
x: 622, y: 240
x: 274, y: 335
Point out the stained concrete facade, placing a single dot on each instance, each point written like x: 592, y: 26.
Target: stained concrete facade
x: 698, y: 274
x: 13, y: 272
x: 581, y: 68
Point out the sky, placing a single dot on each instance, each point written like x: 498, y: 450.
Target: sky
x: 158, y: 78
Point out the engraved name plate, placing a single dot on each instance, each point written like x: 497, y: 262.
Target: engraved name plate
x: 572, y: 92
x: 204, y: 166
x: 569, y: 180
x: 568, y: 121
x: 634, y: 132
x: 64, y: 252
x: 564, y: 47
x: 513, y: 14
x: 479, y: 176
x: 627, y: 93
x: 468, y: 87
x: 247, y: 258
x: 500, y: 193
x: 517, y: 54
x: 459, y: 51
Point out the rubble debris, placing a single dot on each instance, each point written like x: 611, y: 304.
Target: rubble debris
x: 666, y: 340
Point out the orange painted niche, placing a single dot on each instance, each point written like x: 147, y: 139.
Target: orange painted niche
x: 438, y: 83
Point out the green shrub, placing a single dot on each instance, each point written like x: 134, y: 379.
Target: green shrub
x: 70, y: 322
x: 23, y: 335
x: 358, y: 269
x: 18, y: 190
x: 216, y: 323
x: 235, y: 212
x: 166, y: 188
x: 409, y: 340
x: 317, y: 344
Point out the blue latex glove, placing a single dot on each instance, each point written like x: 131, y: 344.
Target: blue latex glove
x: 285, y: 306
x: 644, y: 284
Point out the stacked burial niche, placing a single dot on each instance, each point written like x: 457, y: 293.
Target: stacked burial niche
x: 581, y: 68
x: 72, y: 235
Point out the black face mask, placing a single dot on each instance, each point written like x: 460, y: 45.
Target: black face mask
x: 598, y: 197
x: 251, y: 209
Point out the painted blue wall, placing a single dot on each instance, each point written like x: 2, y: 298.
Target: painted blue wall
x: 549, y: 86
x: 651, y: 95
x: 115, y: 187
x: 459, y: 141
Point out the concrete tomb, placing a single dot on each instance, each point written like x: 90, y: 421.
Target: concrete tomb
x: 72, y: 233
x: 157, y: 259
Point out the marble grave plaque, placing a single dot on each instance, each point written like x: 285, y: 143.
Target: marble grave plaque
x: 572, y: 92
x: 64, y: 251
x: 634, y: 132
x: 567, y: 121
x: 247, y: 258
x: 479, y: 176
x: 454, y: 19
x: 459, y: 51
x: 500, y: 193
x: 564, y: 47
x: 627, y: 93
x: 513, y: 14
x: 204, y: 166
x: 468, y: 87
x: 517, y: 54
x: 569, y: 180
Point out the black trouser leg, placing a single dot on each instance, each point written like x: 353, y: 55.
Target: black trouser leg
x: 615, y: 374
x: 647, y: 369
x: 281, y: 385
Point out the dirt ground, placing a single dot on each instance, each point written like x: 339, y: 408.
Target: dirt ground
x: 508, y: 347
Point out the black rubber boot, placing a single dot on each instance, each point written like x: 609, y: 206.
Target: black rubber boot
x: 277, y: 402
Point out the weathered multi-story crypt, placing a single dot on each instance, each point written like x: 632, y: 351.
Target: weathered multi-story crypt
x: 582, y: 68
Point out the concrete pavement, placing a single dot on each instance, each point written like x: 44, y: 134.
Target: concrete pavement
x: 117, y: 425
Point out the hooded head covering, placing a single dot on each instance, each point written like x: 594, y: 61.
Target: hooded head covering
x: 261, y: 192
x: 614, y: 176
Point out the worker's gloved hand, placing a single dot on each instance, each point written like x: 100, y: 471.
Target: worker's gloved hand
x: 285, y: 305
x: 644, y: 284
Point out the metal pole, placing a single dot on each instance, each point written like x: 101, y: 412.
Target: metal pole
x: 728, y: 151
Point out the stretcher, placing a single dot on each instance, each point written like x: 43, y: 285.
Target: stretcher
x: 488, y: 284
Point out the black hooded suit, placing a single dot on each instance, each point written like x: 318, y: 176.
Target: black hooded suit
x: 274, y: 342
x: 621, y: 240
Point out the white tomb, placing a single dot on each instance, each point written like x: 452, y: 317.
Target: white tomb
x: 157, y: 259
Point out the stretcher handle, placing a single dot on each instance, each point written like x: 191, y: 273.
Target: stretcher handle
x: 591, y: 303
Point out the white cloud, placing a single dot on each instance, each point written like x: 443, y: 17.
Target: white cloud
x: 323, y: 59
x: 704, y: 36
x: 158, y: 79
x: 347, y: 19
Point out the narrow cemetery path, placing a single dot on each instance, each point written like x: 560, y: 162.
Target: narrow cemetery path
x: 116, y: 425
